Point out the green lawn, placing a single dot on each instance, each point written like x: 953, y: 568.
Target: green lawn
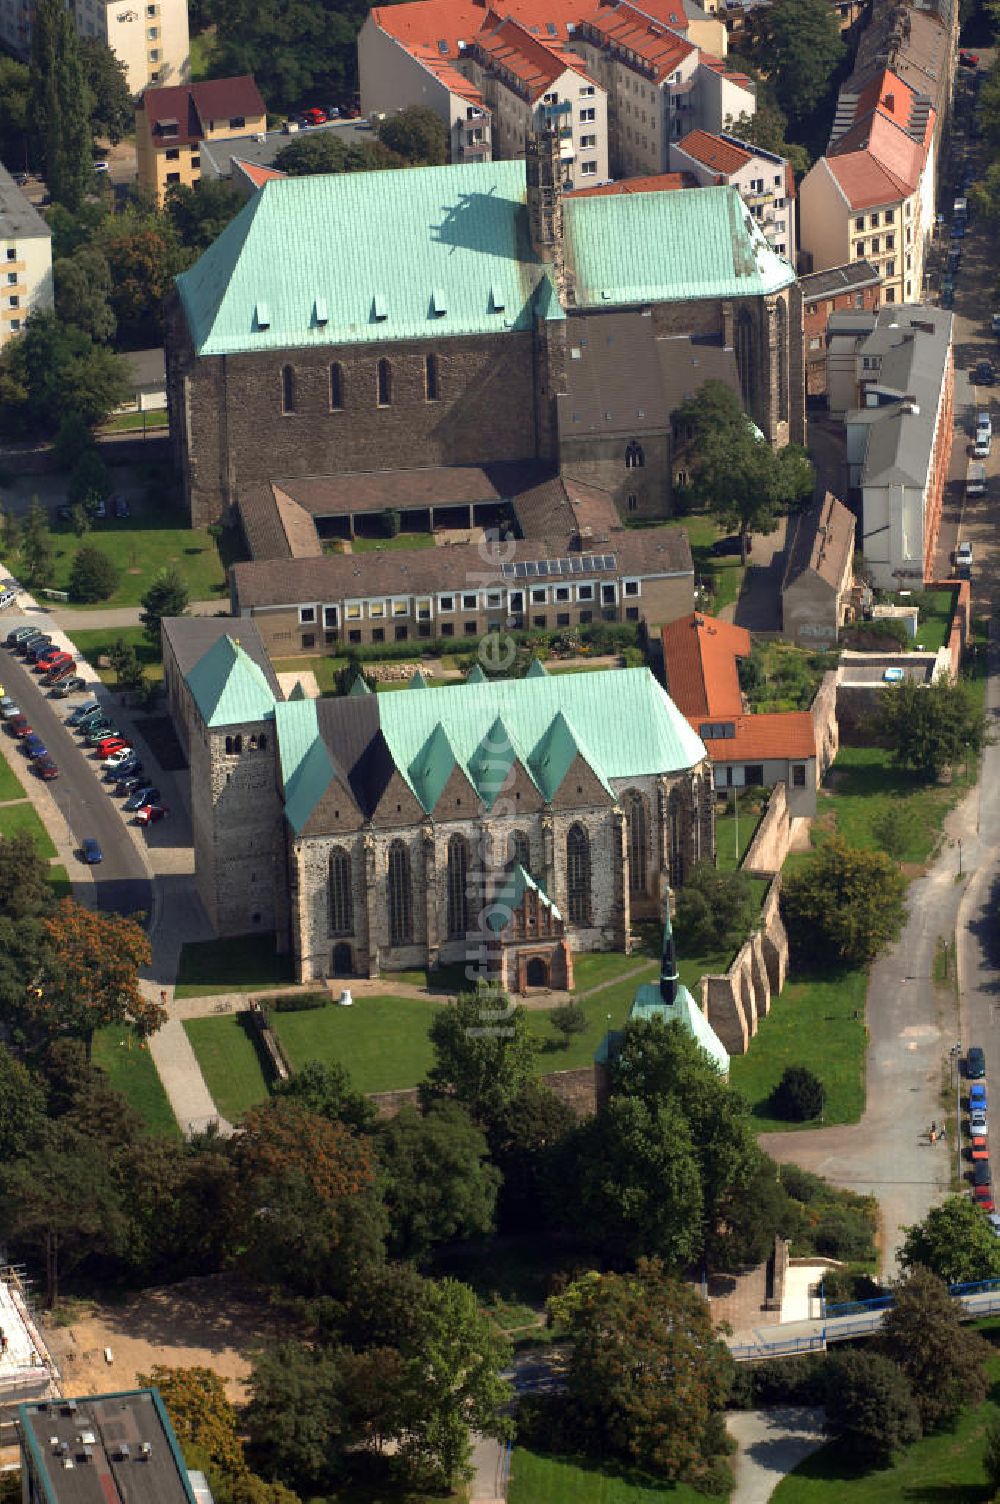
x: 383, y: 1041
x: 934, y: 622
x: 863, y: 784
x: 97, y: 642
x: 723, y: 575
x: 229, y: 1063
x: 945, y: 1468
x: 246, y: 963
x: 538, y: 1479
x: 11, y: 786
x: 733, y: 833
x: 60, y: 883
x: 605, y: 1010
x: 125, y: 422
x: 132, y: 1072
x: 141, y: 546
x: 812, y: 1023
x: 325, y: 670
x: 401, y: 540
x: 18, y: 817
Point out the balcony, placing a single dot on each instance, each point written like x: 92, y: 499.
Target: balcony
x: 552, y: 111
x: 475, y: 151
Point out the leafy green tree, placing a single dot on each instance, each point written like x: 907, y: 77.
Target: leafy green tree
x: 15, y: 114
x: 524, y: 1143
x: 646, y: 1374
x: 954, y: 1241
x: 931, y: 727
x: 843, y: 905
x: 72, y: 438
x: 90, y: 482
x: 61, y: 103
x: 22, y: 1106
x: 767, y: 127
x: 483, y: 1053
x: 891, y: 829
x: 800, y: 49
x: 798, y: 1096
x: 325, y: 1089
x: 294, y: 51
x: 54, y: 369
x: 991, y: 1455
x: 88, y: 975
x: 144, y: 255
x: 166, y: 596
x: 869, y: 1406
x: 568, y: 1019
x: 112, y: 112
x: 736, y: 475
x: 716, y: 911
x: 37, y: 550
x: 25, y: 890
x: 94, y: 575
x: 438, y: 1183
x: 200, y: 213
x: 944, y: 1361
x: 127, y: 665
x: 79, y: 519
x: 325, y: 152
x: 418, y: 135
x: 83, y: 293
x: 297, y: 1418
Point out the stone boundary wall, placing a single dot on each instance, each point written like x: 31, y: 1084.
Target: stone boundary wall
x: 41, y: 459
x: 735, y: 1001
x: 576, y: 1088
x: 769, y: 846
x: 826, y: 728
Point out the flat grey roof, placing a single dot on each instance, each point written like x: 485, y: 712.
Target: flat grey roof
x: 19, y: 220
x: 190, y: 637
x: 105, y: 1449
x: 217, y: 155
x: 839, y: 279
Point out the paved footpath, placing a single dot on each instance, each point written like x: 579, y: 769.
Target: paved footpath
x: 771, y: 1443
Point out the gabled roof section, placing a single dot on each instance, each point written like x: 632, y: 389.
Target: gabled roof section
x: 432, y: 767
x: 715, y: 152
x: 536, y: 64
x: 476, y: 674
x: 537, y: 670
x: 660, y: 182
x: 418, y: 680
x: 255, y: 172
x: 510, y: 895
x: 228, y: 687
x: 774, y: 734
x: 360, y: 686
x: 700, y: 656
x: 181, y: 113
x: 460, y: 229
x: 655, y: 48
x: 554, y: 755
x: 304, y: 763
x: 491, y: 762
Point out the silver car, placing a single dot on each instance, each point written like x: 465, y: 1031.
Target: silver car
x: 978, y: 1125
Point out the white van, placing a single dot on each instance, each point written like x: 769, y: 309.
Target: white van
x: 975, y: 479
x: 7, y: 598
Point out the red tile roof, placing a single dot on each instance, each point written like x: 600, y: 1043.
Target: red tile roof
x: 669, y: 12
x: 879, y: 159
x: 191, y: 107
x: 440, y: 24
x: 779, y: 734
x: 721, y: 156
x: 662, y: 182
x: 699, y: 656
x: 654, y: 44
x: 257, y: 174
x: 535, y: 63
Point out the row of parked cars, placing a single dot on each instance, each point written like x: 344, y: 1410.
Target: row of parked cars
x: 57, y: 672
x: 977, y: 1126
x: 121, y: 764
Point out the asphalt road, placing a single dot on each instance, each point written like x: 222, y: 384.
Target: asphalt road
x: 121, y: 881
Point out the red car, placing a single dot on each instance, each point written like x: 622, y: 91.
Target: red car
x: 20, y: 727
x: 111, y: 744
x: 979, y: 1150
x: 54, y: 661
x: 968, y: 59
x: 46, y: 769
x: 314, y: 115
x: 150, y: 813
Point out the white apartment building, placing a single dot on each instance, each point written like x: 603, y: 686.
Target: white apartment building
x: 25, y: 259
x: 765, y: 181
x: 149, y: 36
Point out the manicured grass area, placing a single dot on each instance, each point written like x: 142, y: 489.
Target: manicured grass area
x: 722, y: 576
x: 945, y: 1466
x: 401, y: 540
x: 383, y: 1041
x: 229, y: 1063
x: 605, y: 1010
x: 324, y: 669
x: 538, y: 1479
x: 863, y: 785
x: 131, y: 1070
x: 17, y: 817
x: 95, y: 643
x: 125, y: 422
x: 246, y: 963
x: 597, y: 967
x: 11, y: 786
x: 934, y: 622
x: 812, y: 1023
x: 60, y: 883
x: 141, y: 546
x: 733, y: 833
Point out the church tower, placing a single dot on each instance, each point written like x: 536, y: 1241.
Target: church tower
x: 545, y: 215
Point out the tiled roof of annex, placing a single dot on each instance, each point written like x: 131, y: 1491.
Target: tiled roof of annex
x: 656, y: 47
x: 699, y: 656
x: 777, y: 735
x: 716, y: 152
x: 534, y: 63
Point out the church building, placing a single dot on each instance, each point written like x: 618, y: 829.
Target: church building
x: 501, y: 823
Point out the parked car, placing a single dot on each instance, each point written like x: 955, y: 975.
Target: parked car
x: 18, y: 635
x: 79, y: 713
x: 314, y: 115
x: 46, y: 768
x: 981, y: 1174
x: 979, y: 1148
x: 91, y: 851
x: 119, y: 757
x: 36, y: 639
x: 111, y: 744
x: 121, y: 506
x: 20, y: 726
x: 48, y: 665
x: 993, y: 1218
x: 963, y: 556
x: 37, y: 750
x: 96, y: 732
x: 977, y: 1095
x: 122, y: 772
x: 975, y: 1063
x: 133, y: 783
x: 5, y: 704
x: 39, y: 652
x: 995, y: 323
x: 141, y: 797
x: 10, y: 712
x: 71, y: 685
x: 58, y: 674
x: 968, y: 59
x: 149, y: 814
x: 978, y: 1122
x: 947, y: 299
x: 984, y: 374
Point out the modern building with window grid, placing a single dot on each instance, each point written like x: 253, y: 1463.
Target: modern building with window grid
x: 150, y: 37
x: 25, y: 259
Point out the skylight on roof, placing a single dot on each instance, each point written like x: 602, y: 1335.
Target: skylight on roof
x: 498, y: 300
x: 442, y: 47
x: 550, y: 27
x: 321, y: 313
x: 380, y: 309
x: 262, y: 316
x: 439, y: 303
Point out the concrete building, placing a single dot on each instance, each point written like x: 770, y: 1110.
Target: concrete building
x: 857, y: 287
x: 481, y: 319
x: 27, y: 1369
x: 819, y: 574
x: 25, y: 259
x: 892, y: 377
x: 375, y: 833
x: 765, y: 181
x: 171, y: 125
x: 150, y: 39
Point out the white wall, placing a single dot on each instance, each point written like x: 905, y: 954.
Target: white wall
x: 824, y: 216
x: 392, y: 79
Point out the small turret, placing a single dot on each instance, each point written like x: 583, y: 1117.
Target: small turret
x: 669, y: 977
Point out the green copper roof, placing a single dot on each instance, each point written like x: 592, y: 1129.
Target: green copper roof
x: 653, y: 247
x: 228, y: 687
x: 476, y: 674
x: 306, y: 769
x: 648, y: 1004
x: 554, y: 755
x: 360, y: 686
x: 440, y: 251
x: 537, y: 670
x: 432, y: 767
x: 492, y: 761
x: 509, y: 894
x: 418, y: 681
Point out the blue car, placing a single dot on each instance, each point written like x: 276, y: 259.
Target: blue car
x: 92, y: 853
x: 977, y: 1096
x: 35, y: 747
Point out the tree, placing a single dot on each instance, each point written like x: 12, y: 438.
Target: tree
x: 869, y: 1406
x: 125, y: 661
x: 25, y: 890
x: 200, y: 213
x: 60, y: 103
x: 90, y: 482
x: 799, y: 50
x: 22, y: 1106
x: 931, y: 727
x: 524, y: 1139
x: 94, y: 575
x: 483, y: 1053
x: 325, y: 152
x: 737, y: 476
x: 944, y: 1361
x: 54, y: 369
x: 200, y: 1412
x: 568, y: 1019
x: 843, y: 905
x: 646, y: 1373
x: 954, y: 1241
x: 308, y: 49
x: 418, y: 135
x: 767, y: 127
x: 83, y: 293
x: 88, y: 975
x: 325, y: 1089
x: 991, y: 1455
x: 112, y: 112
x: 15, y: 106
x: 166, y: 596
x: 798, y: 1096
x: 144, y: 255
x: 37, y: 551
x: 72, y: 438
x: 439, y: 1185
x: 716, y: 911
x: 297, y: 1416
x: 891, y: 829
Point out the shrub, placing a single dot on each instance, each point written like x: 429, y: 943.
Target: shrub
x: 294, y: 1002
x: 869, y: 1403
x: 94, y: 576
x: 780, y: 1381
x: 798, y: 1096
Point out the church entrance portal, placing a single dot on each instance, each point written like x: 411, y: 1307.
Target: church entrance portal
x: 537, y: 974
x: 342, y: 966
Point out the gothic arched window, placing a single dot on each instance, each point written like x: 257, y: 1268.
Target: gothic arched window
x: 781, y: 326
x: 746, y: 358
x: 287, y: 389
x: 458, y: 898
x: 519, y: 849
x: 400, y: 895
x: 384, y: 383
x: 638, y: 848
x: 635, y: 456
x: 336, y: 386
x: 341, y: 893
x: 578, y: 874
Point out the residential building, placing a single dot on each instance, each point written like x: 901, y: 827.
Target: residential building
x: 103, y: 1447
x: 856, y: 286
x: 819, y: 574
x: 151, y: 39
x: 892, y: 376
x: 701, y: 662
x: 872, y: 197
x: 765, y: 181
x: 25, y: 259
x: 467, y: 328
x: 366, y: 830
x: 171, y: 125
x: 147, y: 381
x: 27, y: 1368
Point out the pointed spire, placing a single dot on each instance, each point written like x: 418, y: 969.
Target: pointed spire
x: 360, y: 686
x: 418, y: 681
x: 668, y: 963
x: 537, y: 670
x: 475, y: 675
x: 298, y: 693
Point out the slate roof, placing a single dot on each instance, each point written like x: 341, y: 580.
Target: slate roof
x: 914, y: 343
x: 190, y: 638
x: 836, y: 280
x: 221, y: 156
x: 699, y: 657
x: 19, y: 219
